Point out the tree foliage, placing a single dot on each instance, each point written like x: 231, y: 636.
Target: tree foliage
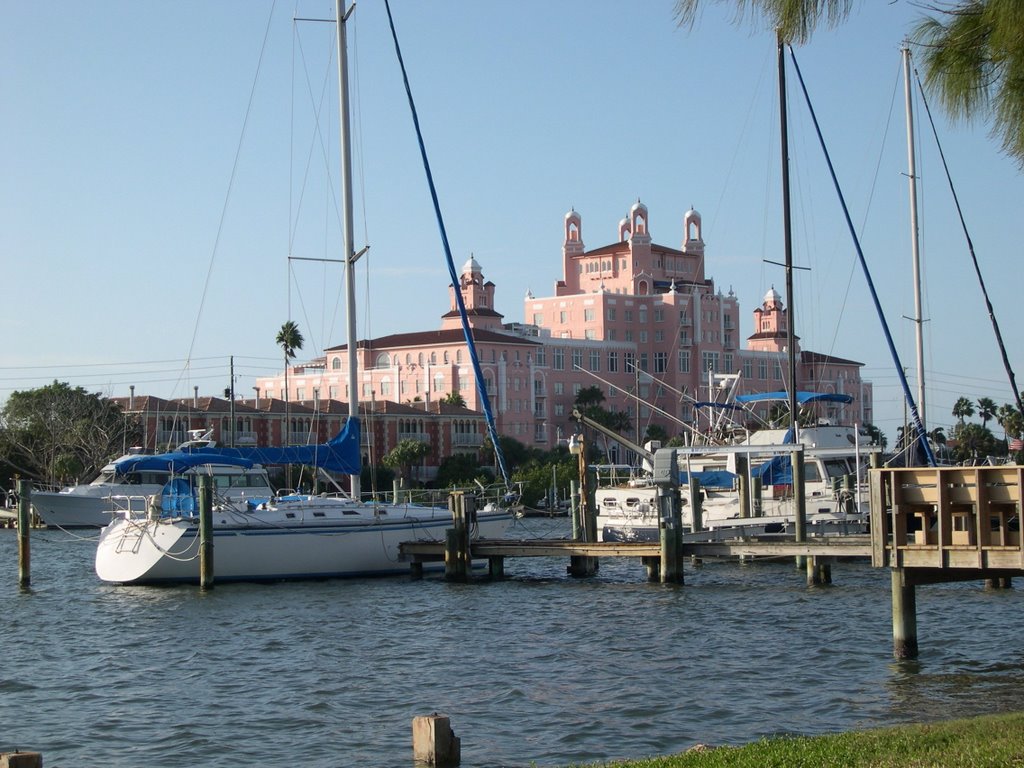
x: 972, y: 51
x: 454, y: 398
x: 59, y: 433
x: 404, y: 456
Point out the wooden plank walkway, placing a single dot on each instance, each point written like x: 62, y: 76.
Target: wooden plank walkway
x: 824, y: 547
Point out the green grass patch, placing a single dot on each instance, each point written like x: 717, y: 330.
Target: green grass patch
x: 994, y: 740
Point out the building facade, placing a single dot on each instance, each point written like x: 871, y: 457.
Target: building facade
x: 641, y: 321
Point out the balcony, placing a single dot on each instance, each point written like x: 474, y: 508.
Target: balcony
x: 468, y: 440
x: 420, y: 437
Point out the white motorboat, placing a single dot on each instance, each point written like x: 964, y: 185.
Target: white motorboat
x: 89, y: 505
x: 835, y: 490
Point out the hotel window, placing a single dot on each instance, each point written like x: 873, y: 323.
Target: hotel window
x: 563, y: 317
x: 643, y: 337
x: 595, y: 360
x: 748, y: 369
x: 762, y: 369
x: 542, y: 356
x: 336, y: 363
x: 385, y: 388
x: 660, y: 362
x: 709, y: 361
x: 778, y: 371
x: 628, y: 335
x: 644, y: 365
x: 727, y: 360
x: 628, y: 362
x: 613, y: 335
x: 538, y: 318
x: 559, y: 388
x: 558, y: 359
x: 659, y: 335
x: 659, y: 315
x: 642, y: 315
x: 613, y: 362
x: 590, y: 334
x: 588, y: 315
x: 577, y: 359
x: 611, y: 314
x: 627, y: 315
x: 684, y: 361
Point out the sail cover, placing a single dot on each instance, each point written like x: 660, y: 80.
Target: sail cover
x: 339, y: 454
x: 802, y: 398
x: 177, y: 461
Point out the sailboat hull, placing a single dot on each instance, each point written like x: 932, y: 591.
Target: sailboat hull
x: 134, y: 551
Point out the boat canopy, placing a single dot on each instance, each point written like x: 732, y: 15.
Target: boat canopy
x: 723, y: 406
x: 711, y: 478
x: 777, y: 471
x: 339, y: 454
x: 802, y: 398
x: 176, y: 461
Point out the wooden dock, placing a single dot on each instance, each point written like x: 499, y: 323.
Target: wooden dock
x: 933, y: 525
x: 819, y: 552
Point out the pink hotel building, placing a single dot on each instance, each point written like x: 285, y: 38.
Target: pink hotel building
x: 629, y: 305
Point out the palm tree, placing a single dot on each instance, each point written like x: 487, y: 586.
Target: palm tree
x: 971, y: 51
x: 963, y: 408
x: 290, y: 340
x: 987, y: 408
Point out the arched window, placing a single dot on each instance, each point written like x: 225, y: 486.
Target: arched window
x: 383, y: 360
x: 336, y: 364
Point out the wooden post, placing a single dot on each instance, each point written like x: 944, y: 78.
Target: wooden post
x: 696, y: 506
x: 456, y: 543
x: 799, y: 497
x: 21, y: 760
x: 206, y: 531
x: 24, y: 523
x: 755, y: 496
x: 496, y: 567
x: 434, y: 742
x: 904, y: 617
x: 743, y: 483
x: 416, y: 570
x: 818, y: 572
x: 574, y: 504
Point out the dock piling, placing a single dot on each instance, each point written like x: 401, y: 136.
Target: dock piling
x: 206, y: 532
x: 434, y: 742
x: 20, y: 759
x: 24, y: 524
x: 904, y: 617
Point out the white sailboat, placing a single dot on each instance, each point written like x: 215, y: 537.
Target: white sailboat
x: 297, y: 537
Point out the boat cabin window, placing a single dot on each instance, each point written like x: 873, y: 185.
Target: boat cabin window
x: 836, y: 467
x: 811, y: 473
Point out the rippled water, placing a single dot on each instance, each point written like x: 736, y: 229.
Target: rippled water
x: 538, y: 669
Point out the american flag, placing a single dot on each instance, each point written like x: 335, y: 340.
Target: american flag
x: 1016, y: 444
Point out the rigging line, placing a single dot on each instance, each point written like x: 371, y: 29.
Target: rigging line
x: 231, y: 183
x: 970, y: 248
x: 867, y: 209
x: 922, y: 437
x: 466, y: 329
x: 317, y: 138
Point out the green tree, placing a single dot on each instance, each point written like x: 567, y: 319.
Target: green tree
x: 987, y: 408
x: 1011, y: 420
x: 972, y: 51
x: 963, y: 409
x: 461, y: 470
x: 404, y: 456
x: 59, y: 433
x: 290, y: 340
x: 454, y: 398
x: 877, y: 436
x: 938, y: 436
x: 973, y: 442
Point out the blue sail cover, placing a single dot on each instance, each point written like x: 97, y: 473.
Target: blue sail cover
x: 339, y: 454
x: 177, y: 461
x: 777, y: 471
x: 711, y: 478
x: 802, y: 398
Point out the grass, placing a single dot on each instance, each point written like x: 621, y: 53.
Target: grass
x: 993, y: 740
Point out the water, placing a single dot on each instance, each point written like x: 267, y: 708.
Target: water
x: 539, y: 669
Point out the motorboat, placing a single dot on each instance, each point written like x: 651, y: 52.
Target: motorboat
x: 835, y: 489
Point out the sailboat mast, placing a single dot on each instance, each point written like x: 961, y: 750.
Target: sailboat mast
x: 914, y: 243
x: 787, y: 235
x: 346, y: 222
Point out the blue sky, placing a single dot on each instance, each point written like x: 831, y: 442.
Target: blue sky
x: 135, y: 249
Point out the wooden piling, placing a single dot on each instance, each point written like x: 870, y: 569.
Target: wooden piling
x: 904, y: 617
x: 743, y: 485
x: 456, y: 542
x: 24, y: 524
x: 696, y: 506
x: 496, y: 567
x: 819, y: 572
x: 206, y: 531
x: 21, y: 759
x: 799, y: 497
x: 434, y: 743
